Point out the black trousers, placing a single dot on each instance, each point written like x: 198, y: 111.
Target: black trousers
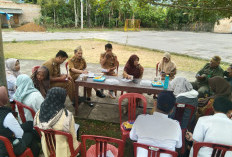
x: 31, y: 138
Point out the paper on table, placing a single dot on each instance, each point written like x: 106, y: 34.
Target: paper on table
x: 126, y: 80
x: 90, y: 74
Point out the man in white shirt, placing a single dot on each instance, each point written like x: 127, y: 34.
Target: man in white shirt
x: 215, y: 128
x: 157, y: 129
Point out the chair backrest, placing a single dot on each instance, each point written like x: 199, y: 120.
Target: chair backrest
x: 10, y: 151
x: 219, y: 150
x: 21, y: 108
x: 101, y: 143
x: 35, y: 68
x: 180, y: 108
x: 66, y: 66
x: 51, y: 141
x: 156, y: 69
x: 8, y: 146
x: 132, y: 98
x: 152, y: 150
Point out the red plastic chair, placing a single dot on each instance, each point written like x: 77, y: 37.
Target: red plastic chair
x: 51, y: 141
x: 152, y: 150
x: 21, y: 108
x: 9, y: 148
x: 35, y: 68
x: 102, y: 146
x: 219, y: 150
x: 180, y: 108
x: 131, y: 110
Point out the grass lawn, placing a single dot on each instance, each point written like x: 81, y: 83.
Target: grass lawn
x: 92, y: 48
x: 94, y: 127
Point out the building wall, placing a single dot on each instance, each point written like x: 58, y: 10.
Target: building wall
x: 224, y: 26
x: 30, y: 11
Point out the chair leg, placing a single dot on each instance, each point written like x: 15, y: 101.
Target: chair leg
x: 124, y: 138
x: 182, y: 151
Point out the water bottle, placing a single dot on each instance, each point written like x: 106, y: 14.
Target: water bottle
x: 166, y: 82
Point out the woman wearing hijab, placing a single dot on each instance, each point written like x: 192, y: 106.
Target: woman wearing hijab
x: 12, y: 71
x: 185, y: 94
x: 219, y: 87
x: 41, y: 80
x: 133, y: 68
x: 10, y: 128
x: 167, y: 67
x: 27, y: 94
x: 53, y: 115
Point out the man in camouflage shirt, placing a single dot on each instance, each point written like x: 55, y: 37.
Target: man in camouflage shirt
x: 208, y: 71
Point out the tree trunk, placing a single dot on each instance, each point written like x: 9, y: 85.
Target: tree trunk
x: 119, y: 17
x: 89, y: 15
x: 81, y: 14
x: 109, y: 19
x: 95, y: 20
x: 86, y: 8
x: 54, y: 13
x: 75, y: 12
x: 78, y: 13
x: 2, y: 61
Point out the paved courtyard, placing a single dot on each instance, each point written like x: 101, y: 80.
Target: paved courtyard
x: 202, y: 44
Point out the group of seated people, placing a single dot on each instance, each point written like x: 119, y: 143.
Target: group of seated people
x: 161, y: 131
x: 45, y: 92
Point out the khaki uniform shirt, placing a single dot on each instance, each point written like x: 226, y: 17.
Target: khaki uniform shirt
x: 53, y: 68
x: 79, y: 64
x: 111, y: 62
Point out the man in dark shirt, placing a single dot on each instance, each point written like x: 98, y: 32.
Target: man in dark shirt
x: 208, y: 71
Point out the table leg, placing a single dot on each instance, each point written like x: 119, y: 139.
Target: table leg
x: 84, y: 93
x: 76, y: 98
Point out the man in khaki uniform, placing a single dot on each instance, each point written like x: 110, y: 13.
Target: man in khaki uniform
x: 77, y: 66
x: 56, y: 78
x: 109, y: 63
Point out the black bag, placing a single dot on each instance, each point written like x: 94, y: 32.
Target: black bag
x: 19, y: 146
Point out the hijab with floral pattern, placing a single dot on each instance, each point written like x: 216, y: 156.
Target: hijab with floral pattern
x: 53, y: 103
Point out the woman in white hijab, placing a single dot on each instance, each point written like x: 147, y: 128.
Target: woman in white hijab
x: 12, y: 71
x: 167, y: 67
x: 185, y: 94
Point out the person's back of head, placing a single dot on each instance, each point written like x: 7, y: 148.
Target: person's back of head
x: 166, y: 101
x: 222, y: 104
x: 108, y: 46
x: 62, y: 54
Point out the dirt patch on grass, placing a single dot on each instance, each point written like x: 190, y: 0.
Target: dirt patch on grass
x: 30, y: 27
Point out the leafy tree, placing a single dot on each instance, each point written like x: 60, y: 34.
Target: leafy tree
x: 167, y: 14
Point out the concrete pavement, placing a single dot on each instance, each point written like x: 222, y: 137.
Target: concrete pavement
x: 201, y: 45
